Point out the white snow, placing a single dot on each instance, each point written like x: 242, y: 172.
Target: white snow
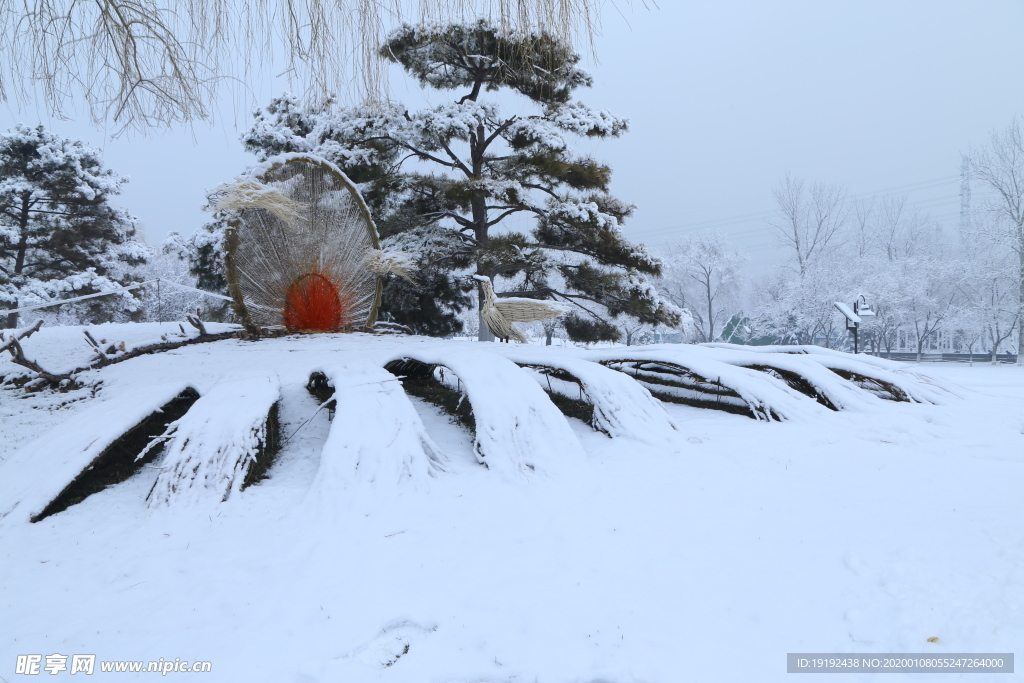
x: 37, y: 473
x: 622, y: 407
x: 519, y: 431
x: 765, y: 395
x: 864, y: 530
x: 394, y: 450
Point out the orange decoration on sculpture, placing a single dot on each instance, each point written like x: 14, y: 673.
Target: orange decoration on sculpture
x: 313, y: 302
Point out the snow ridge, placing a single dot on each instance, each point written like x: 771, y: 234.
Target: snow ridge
x: 519, y: 431
x: 28, y: 486
x: 377, y: 438
x: 213, y: 447
x: 622, y: 406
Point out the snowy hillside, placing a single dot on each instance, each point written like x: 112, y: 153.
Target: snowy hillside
x: 642, y: 514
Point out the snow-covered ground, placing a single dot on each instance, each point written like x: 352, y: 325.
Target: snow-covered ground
x: 621, y: 559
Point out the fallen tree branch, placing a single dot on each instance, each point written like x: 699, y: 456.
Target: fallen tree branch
x: 195, y: 322
x: 18, y: 358
x: 55, y: 380
x: 18, y: 335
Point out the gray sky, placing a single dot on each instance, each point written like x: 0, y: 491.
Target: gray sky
x: 723, y: 99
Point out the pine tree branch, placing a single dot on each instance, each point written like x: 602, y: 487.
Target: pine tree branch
x: 461, y: 166
x: 549, y: 191
x: 498, y: 131
x: 502, y: 216
x: 464, y: 222
x: 418, y: 153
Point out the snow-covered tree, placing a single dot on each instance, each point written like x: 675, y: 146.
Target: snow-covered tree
x: 1001, y: 167
x: 59, y: 235
x: 989, y: 287
x: 169, y: 264
x: 701, y: 272
x: 931, y: 294
x: 800, y: 310
x: 442, y: 181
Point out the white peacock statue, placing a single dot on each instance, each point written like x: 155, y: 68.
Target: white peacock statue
x: 302, y: 251
x: 499, y: 314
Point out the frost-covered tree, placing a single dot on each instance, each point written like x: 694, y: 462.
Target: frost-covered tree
x: 990, y: 287
x: 59, y: 235
x: 1001, y: 167
x: 702, y: 272
x: 799, y: 310
x: 443, y: 181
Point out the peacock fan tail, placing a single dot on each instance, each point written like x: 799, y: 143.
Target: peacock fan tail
x: 304, y: 268
x: 313, y: 302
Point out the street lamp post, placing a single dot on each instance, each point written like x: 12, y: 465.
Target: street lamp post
x: 855, y: 316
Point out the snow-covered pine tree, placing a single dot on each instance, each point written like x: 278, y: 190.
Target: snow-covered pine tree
x: 59, y: 235
x: 441, y: 181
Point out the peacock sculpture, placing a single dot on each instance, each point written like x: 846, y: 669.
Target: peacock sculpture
x: 302, y: 251
x: 499, y: 314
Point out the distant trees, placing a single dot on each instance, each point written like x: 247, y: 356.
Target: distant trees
x: 809, y: 224
x: 839, y: 250
x: 990, y: 286
x: 799, y: 310
x: 927, y: 287
x: 60, y: 236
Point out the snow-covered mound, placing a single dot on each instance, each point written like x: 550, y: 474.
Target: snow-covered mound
x: 213, y: 450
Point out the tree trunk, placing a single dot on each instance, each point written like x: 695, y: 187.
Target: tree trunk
x: 711, y: 313
x: 479, y: 206
x: 19, y: 260
x: 1020, y: 306
x: 547, y: 336
x: 485, y: 334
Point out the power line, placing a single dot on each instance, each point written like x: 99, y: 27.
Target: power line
x: 919, y: 186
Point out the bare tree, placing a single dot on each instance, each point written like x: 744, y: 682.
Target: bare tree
x: 808, y: 221
x: 142, y: 63
x: 863, y: 214
x: 1001, y: 167
x: 899, y: 232
x: 884, y: 329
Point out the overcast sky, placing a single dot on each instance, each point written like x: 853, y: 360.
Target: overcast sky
x: 723, y: 99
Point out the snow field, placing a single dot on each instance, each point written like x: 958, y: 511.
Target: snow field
x: 866, y: 530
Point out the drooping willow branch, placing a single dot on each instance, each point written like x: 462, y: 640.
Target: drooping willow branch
x: 145, y: 63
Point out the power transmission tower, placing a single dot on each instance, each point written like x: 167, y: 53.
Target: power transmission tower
x: 965, y: 194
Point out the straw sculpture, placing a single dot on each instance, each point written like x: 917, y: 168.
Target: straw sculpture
x: 499, y: 314
x: 302, y: 250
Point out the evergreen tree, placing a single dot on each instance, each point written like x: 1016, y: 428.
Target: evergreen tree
x: 442, y: 181
x: 59, y: 235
